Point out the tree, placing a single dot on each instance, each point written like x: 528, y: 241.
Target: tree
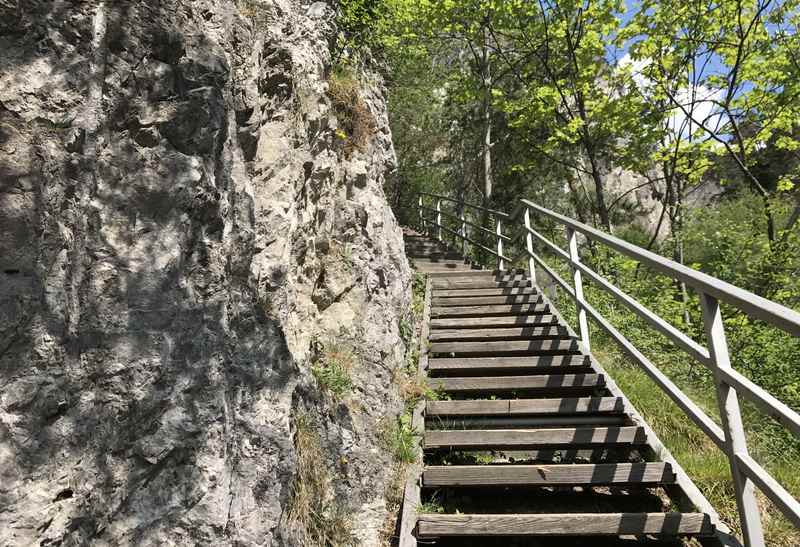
x: 737, y: 65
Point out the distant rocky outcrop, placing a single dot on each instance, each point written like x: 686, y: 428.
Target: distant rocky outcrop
x: 183, y: 232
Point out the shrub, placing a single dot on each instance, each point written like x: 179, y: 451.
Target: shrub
x: 356, y: 122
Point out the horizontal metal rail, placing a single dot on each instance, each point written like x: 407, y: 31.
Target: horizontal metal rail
x: 495, y: 231
x: 475, y: 243
x: 729, y: 437
x: 467, y: 222
x: 501, y: 214
x: 750, y: 303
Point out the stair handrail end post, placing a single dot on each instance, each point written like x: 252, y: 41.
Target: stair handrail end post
x: 529, y: 245
x: 732, y: 425
x: 501, y: 263
x: 420, y: 205
x: 577, y: 285
x: 463, y: 217
x: 439, y: 219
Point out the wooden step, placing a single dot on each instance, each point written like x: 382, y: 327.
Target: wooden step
x: 492, y: 291
x: 518, y: 333
x: 543, y: 382
x: 452, y: 283
x: 478, y: 311
x: 427, y: 259
x: 564, y: 524
x: 548, y: 475
x: 537, y: 365
x: 518, y: 407
x: 434, y: 255
x: 487, y: 300
x: 493, y: 322
x: 490, y: 349
x: 525, y: 422
x: 502, y: 438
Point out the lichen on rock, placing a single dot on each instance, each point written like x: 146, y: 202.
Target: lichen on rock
x: 179, y: 227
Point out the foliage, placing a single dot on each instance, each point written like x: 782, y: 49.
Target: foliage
x: 403, y: 440
x: 332, y: 368
x: 315, y: 515
x: 356, y: 123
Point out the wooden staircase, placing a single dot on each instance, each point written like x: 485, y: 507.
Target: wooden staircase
x: 530, y: 442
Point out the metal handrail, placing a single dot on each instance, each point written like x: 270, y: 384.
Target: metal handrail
x: 750, y: 303
x: 501, y: 214
x: 729, y: 437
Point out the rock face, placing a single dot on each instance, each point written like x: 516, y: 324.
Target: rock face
x: 182, y: 234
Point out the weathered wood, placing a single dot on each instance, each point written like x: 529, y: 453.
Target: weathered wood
x: 541, y: 364
x: 546, y: 475
x: 521, y: 421
x: 484, y: 275
x: 493, y: 291
x: 517, y: 333
x: 527, y: 347
x: 444, y: 282
x: 516, y: 407
x: 487, y: 300
x: 497, y: 438
x: 494, y: 322
x: 478, y: 311
x: 565, y: 524
x: 543, y: 382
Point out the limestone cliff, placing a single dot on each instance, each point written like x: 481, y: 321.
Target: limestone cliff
x: 184, y: 229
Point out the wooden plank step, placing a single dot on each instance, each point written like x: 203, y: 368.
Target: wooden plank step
x: 525, y: 422
x: 478, y: 311
x: 518, y: 333
x: 434, y: 255
x: 501, y: 438
x: 427, y: 259
x: 492, y: 291
x: 521, y: 407
x: 542, y: 364
x: 542, y: 382
x: 451, y: 283
x: 527, y: 347
x: 548, y: 475
x: 565, y: 524
x: 493, y: 322
x: 487, y: 300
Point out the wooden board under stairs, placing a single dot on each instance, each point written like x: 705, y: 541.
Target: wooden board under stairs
x: 528, y: 425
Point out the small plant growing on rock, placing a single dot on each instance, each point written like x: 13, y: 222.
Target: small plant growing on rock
x: 402, y: 441
x: 332, y: 369
x: 321, y: 521
x: 356, y: 122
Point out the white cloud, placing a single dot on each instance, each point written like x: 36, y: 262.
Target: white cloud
x: 700, y: 103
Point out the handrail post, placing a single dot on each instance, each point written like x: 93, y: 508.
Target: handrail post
x: 420, y: 204
x: 498, y: 227
x: 439, y: 219
x: 735, y: 441
x: 462, y: 209
x: 577, y: 281
x: 529, y: 246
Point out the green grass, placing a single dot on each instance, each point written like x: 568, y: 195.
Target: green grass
x: 332, y: 369
x: 402, y: 441
x: 700, y: 458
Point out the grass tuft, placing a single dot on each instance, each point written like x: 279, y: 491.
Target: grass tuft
x: 320, y: 521
x: 332, y: 368
x: 356, y: 122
